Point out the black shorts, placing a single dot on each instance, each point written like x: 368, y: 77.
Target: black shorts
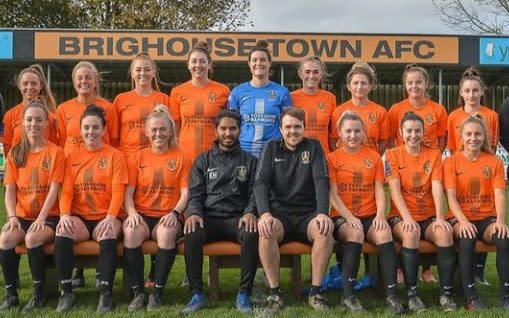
x: 481, y: 225
x: 152, y: 222
x: 339, y: 221
x: 295, y: 227
x: 51, y: 222
x: 422, y: 224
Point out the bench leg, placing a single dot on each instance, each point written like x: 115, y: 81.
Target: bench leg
x: 214, y: 278
x: 296, y: 276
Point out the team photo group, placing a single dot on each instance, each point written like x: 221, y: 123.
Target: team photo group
x: 257, y: 165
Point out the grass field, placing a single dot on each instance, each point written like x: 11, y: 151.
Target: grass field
x: 176, y: 297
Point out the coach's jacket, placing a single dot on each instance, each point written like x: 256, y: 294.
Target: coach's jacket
x: 221, y: 183
x: 292, y: 182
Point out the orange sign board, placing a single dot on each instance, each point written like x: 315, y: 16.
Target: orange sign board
x: 235, y: 46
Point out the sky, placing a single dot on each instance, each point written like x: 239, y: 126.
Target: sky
x: 346, y: 16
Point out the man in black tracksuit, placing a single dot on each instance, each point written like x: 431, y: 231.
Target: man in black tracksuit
x: 292, y: 197
x: 222, y: 208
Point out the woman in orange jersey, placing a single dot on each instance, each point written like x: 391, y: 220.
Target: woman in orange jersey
x: 360, y: 81
x: 470, y: 101
x: 358, y: 200
x: 414, y: 174
x: 156, y: 196
x: 134, y: 106
x: 86, y: 79
x: 35, y: 171
x: 195, y: 103
x: 475, y: 186
x: 92, y: 194
x: 415, y: 83
x: 32, y: 85
x: 317, y: 103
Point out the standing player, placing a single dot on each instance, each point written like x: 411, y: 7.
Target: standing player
x: 475, y: 186
x: 86, y: 79
x: 134, y: 107
x: 222, y: 207
x: 292, y: 198
x: 34, y: 172
x: 195, y: 103
x: 415, y: 83
x: 155, y: 198
x: 358, y: 201
x: 91, y: 197
x: 259, y: 102
x: 317, y: 103
x: 414, y: 174
x: 32, y: 85
x: 360, y: 81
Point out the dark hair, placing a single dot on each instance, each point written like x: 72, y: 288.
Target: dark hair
x: 414, y: 68
x: 94, y: 110
x: 202, y: 47
x: 471, y: 74
x: 293, y: 112
x: 226, y: 113
x: 411, y: 116
x: 21, y: 149
x: 262, y: 46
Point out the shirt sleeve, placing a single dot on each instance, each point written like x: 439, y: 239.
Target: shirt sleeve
x: 392, y: 123
x: 437, y: 167
x: 379, y: 169
x: 186, y: 171
x: 251, y: 204
x: 334, y: 122
x: 330, y: 168
x: 503, y: 119
x: 262, y: 180
x: 499, y: 175
x: 119, y: 182
x: 132, y: 169
x: 451, y: 132
x: 442, y: 121
x: 175, y: 104
x: 66, y: 194
x: 112, y: 123
x: 449, y: 174
x: 8, y: 131
x: 58, y: 167
x: 11, y: 171
x: 391, y: 165
x: 286, y: 99
x: 384, y: 125
x: 233, y: 102
x: 321, y: 180
x: 61, y: 127
x: 197, y: 187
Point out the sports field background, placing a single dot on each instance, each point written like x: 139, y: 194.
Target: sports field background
x: 176, y: 297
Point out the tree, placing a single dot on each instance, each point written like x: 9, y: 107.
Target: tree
x: 223, y: 15
x: 475, y: 16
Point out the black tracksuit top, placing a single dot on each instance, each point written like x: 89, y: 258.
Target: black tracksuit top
x: 292, y: 182
x: 221, y: 183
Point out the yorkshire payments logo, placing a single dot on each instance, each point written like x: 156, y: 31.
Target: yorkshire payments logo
x: 171, y: 164
x: 427, y: 167
x: 486, y: 172
x: 212, y: 97
x: 372, y: 118
x: 272, y: 94
x: 241, y: 173
x: 103, y: 163
x: 305, y: 157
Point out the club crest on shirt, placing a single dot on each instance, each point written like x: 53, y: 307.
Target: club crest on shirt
x: 212, y: 97
x: 321, y: 106
x: 272, y: 95
x: 372, y: 118
x: 368, y: 163
x: 171, y: 164
x: 428, y: 119
x: 486, y: 172
x: 241, y: 173
x: 103, y: 162
x: 427, y: 167
x: 46, y: 163
x: 305, y: 157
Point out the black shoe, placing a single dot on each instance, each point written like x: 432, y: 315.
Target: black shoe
x: 34, y: 304
x: 503, y: 302
x: 319, y: 302
x: 474, y: 304
x: 155, y: 300
x: 10, y: 302
x: 137, y: 302
x: 395, y: 305
x: 274, y: 304
x: 415, y: 304
x: 78, y: 282
x: 105, y: 302
x: 66, y: 302
x: 447, y: 303
x: 353, y: 304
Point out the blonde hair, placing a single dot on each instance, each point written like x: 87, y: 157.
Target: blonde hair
x: 21, y: 149
x: 350, y: 115
x: 315, y: 59
x: 146, y: 57
x: 91, y: 67
x: 362, y: 69
x: 161, y: 111
x: 477, y: 119
x: 45, y: 95
x: 409, y: 68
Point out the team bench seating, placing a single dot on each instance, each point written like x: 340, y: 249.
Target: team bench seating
x: 226, y: 255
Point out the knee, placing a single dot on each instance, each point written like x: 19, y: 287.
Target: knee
x: 6, y: 241
x: 355, y: 235
x: 249, y: 237
x: 32, y: 240
x: 132, y: 237
x: 384, y: 235
x: 168, y: 234
x: 195, y: 237
x: 412, y: 237
x: 443, y: 237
